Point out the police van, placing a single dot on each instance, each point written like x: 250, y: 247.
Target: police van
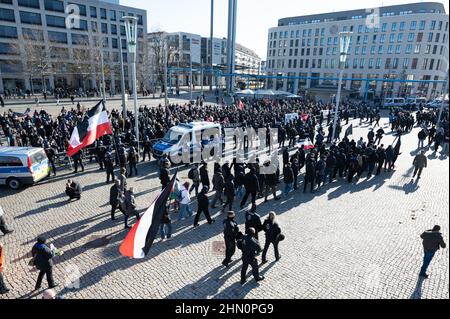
x: 22, y: 166
x: 188, y: 137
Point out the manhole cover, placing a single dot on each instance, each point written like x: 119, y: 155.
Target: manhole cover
x: 218, y: 248
x: 97, y: 241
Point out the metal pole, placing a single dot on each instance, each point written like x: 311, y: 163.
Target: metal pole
x: 122, y: 84
x: 338, y: 99
x: 191, y: 77
x: 165, y: 74
x: 443, y: 102
x: 230, y: 43
x: 201, y: 78
x: 233, y: 59
x: 136, y: 110
x: 211, y: 46
x: 103, y: 75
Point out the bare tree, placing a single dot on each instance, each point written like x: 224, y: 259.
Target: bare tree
x: 144, y: 67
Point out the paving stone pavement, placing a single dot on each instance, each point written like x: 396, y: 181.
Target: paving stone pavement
x: 345, y: 241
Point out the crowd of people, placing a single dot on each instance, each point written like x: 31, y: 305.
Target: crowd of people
x: 330, y: 160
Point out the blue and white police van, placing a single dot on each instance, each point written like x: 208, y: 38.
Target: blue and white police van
x: 188, y: 136
x: 22, y: 166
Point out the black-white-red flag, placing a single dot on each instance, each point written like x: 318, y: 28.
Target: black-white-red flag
x: 94, y: 125
x: 140, y: 238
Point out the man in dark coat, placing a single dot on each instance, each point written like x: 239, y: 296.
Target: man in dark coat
x: 218, y: 186
x: 204, y: 177
x: 164, y: 175
x: 230, y: 234
x: 229, y: 191
x: 420, y: 162
x: 203, y: 207
x: 100, y: 152
x: 42, y: 260
x: 250, y: 249
x: 253, y: 220
x: 73, y: 189
x: 432, y: 242
x: 51, y: 154
x: 251, y: 187
x: 310, y: 173
x: 270, y: 181
x: 133, y: 158
x: 77, y: 160
x: 272, y: 231
x: 109, y: 166
x: 114, y: 194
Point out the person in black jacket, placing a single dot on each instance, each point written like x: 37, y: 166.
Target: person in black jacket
x: 77, y: 160
x: 133, y: 158
x: 253, y: 220
x: 164, y: 175
x: 109, y: 166
x: 288, y: 178
x: 432, y: 242
x: 230, y: 234
x: 100, y: 152
x: 250, y: 249
x: 310, y: 173
x: 251, y: 184
x: 203, y: 207
x: 272, y: 230
x: 114, y: 193
x: 51, y: 154
x: 230, y: 192
x: 270, y: 179
x: 204, y: 177
x: 42, y: 260
x: 73, y: 189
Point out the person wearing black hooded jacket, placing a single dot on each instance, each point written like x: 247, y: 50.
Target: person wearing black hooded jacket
x: 272, y: 231
x: 42, y: 260
x: 251, y: 184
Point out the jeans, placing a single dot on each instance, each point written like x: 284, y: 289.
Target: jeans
x: 428, y: 256
x: 287, y: 188
x: 165, y: 230
x: 420, y: 145
x: 240, y: 191
x: 266, y: 248
x: 182, y: 211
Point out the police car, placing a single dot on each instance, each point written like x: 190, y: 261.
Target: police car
x: 187, y: 137
x: 22, y: 166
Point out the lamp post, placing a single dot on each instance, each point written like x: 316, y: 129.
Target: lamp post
x: 444, y: 93
x: 344, y: 43
x: 131, y: 32
x: 122, y: 83
x: 166, y: 61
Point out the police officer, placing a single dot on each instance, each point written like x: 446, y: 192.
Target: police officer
x: 250, y: 249
x: 114, y: 194
x: 77, y: 160
x: 230, y: 233
x: 101, y: 152
x: 253, y: 220
x: 147, y: 146
x: 272, y: 230
x: 109, y: 165
x: 51, y: 158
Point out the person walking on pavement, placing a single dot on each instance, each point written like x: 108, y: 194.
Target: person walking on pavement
x: 166, y: 225
x: 218, y: 185
x: 203, y: 207
x: 194, y: 176
x: 184, y: 200
x: 288, y: 178
x: 109, y: 166
x: 101, y: 153
x: 204, y: 177
x: 432, y: 241
x: 114, y: 196
x: 133, y: 158
x: 230, y: 234
x: 272, y: 231
x: 250, y: 250
x: 270, y: 178
x: 3, y: 227
x: 42, y: 260
x: 253, y: 220
x: 130, y: 206
x: 420, y: 162
x: 147, y: 147
x: 251, y: 185
x: 422, y: 135
x: 310, y: 173
x: 230, y: 192
x: 77, y: 160
x: 164, y: 175
x: 3, y: 288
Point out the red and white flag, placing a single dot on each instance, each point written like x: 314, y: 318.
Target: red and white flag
x: 140, y: 238
x: 94, y: 125
x: 241, y: 105
x: 306, y: 143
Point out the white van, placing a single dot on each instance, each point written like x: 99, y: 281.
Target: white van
x: 172, y: 141
x: 22, y: 166
x: 394, y: 102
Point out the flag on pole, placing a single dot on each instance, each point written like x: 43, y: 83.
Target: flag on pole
x: 241, y: 105
x: 305, y: 117
x: 94, y: 125
x: 349, y: 130
x: 140, y: 238
x: 306, y: 143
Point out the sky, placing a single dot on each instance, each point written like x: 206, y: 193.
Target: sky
x: 254, y: 17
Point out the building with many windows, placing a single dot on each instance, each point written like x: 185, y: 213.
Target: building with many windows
x: 48, y: 44
x: 401, y: 42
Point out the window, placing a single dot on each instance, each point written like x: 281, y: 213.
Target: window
x: 93, y: 11
x: 417, y: 48
x: 400, y: 37
x: 6, y: 1
x: 365, y: 39
x: 383, y: 27
x: 398, y: 49
x: 10, y: 161
x: 57, y: 37
x: 431, y: 64
x: 364, y: 51
x: 408, y: 48
x: 413, y: 25
x: 372, y: 49
x: 433, y: 25
x: 402, y: 26
x: 428, y: 49
x: 80, y: 39
x: 94, y: 26
x: 394, y: 26
x: 390, y: 49
x: 360, y: 28
x: 383, y: 38
x: 355, y: 63
x: 103, y: 13
x: 356, y: 50
x: 437, y: 37
x: 435, y: 49
x: 83, y: 25
x: 419, y: 37
x: 7, y: 15
x: 112, y: 15
x: 104, y: 27
x: 28, y: 3
x: 8, y: 49
x: 380, y: 49
x: 81, y: 7
x: 113, y: 29
x: 140, y: 19
x: 414, y: 63
x: 430, y: 37
x: 440, y: 25
x: 30, y: 18
x: 422, y: 25
x: 391, y: 38
x: 378, y: 63
x: 395, y: 63
x: 371, y: 63
x: 411, y: 37
x: 54, y: 21
x: 54, y: 5
x: 425, y: 64
x: 8, y: 32
x: 32, y: 34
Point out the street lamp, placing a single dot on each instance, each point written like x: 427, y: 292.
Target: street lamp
x: 344, y: 44
x: 131, y: 32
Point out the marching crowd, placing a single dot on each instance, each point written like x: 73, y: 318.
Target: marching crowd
x: 232, y: 183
